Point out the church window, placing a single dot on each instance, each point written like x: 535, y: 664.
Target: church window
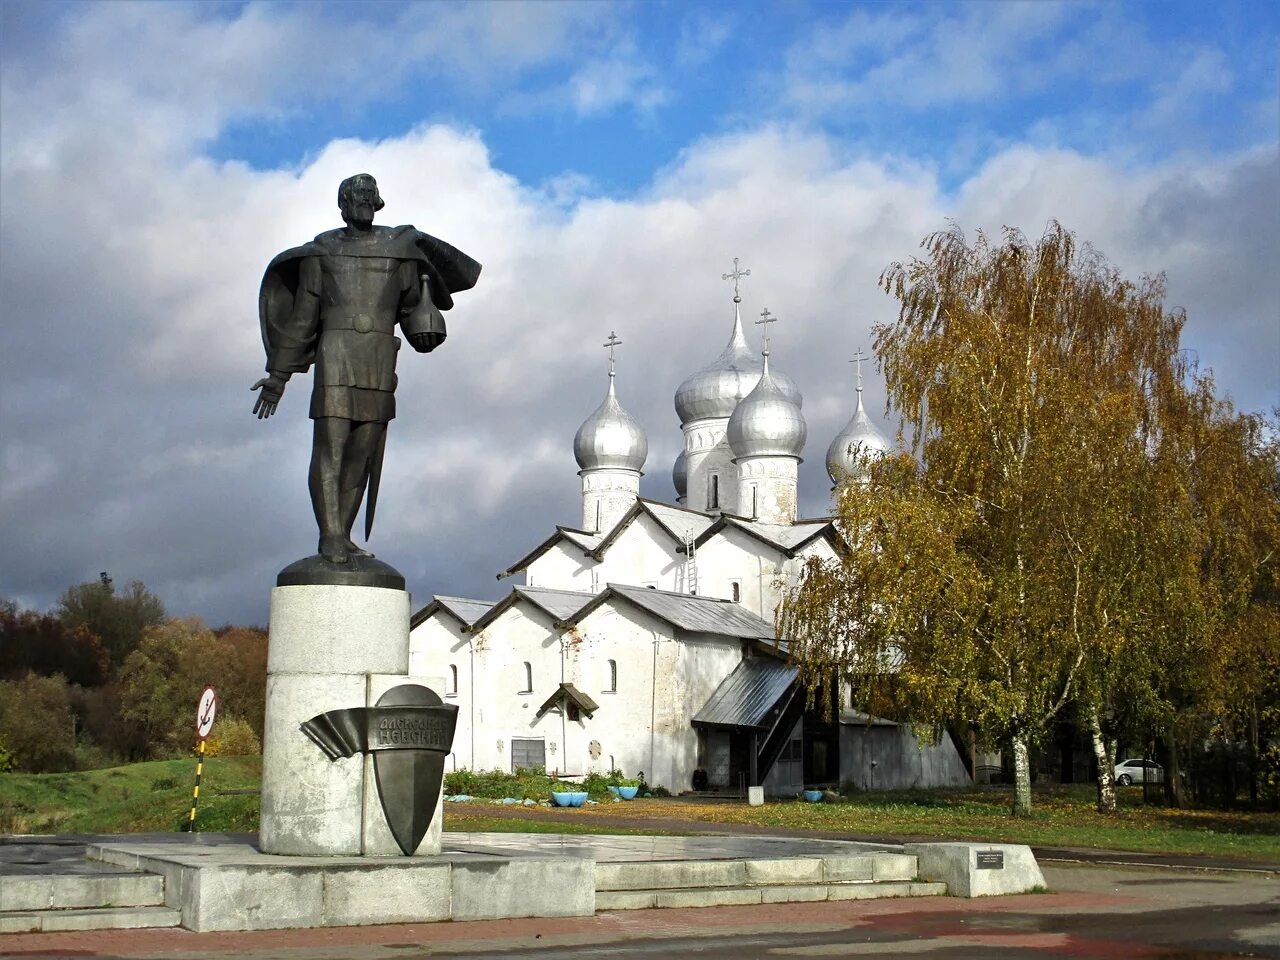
x: 713, y: 498
x: 613, y: 677
x: 528, y: 677
x: 735, y: 590
x: 755, y: 505
x: 453, y: 679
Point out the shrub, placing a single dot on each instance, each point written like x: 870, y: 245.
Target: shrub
x: 235, y: 738
x: 36, y: 724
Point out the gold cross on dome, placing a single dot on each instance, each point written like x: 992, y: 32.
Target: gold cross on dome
x: 766, y: 318
x: 612, y: 342
x: 735, y: 275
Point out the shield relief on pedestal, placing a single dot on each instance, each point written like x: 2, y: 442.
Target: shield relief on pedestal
x: 409, y: 732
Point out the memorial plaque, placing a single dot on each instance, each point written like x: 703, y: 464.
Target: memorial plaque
x: 990, y: 859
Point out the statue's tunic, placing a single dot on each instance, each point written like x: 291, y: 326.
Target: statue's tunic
x: 336, y: 301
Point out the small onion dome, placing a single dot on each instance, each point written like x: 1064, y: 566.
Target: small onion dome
x: 610, y: 438
x: 859, y: 437
x: 716, y: 389
x: 768, y: 423
x: 680, y: 474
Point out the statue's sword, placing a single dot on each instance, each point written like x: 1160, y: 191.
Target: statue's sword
x: 375, y: 475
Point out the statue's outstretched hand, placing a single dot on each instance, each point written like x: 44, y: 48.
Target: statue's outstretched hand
x: 272, y: 388
x: 427, y: 341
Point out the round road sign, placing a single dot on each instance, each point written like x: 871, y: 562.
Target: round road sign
x: 205, y: 711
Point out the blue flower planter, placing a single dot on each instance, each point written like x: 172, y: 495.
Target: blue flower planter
x: 813, y: 796
x: 568, y: 799
x: 627, y: 793
x: 613, y: 789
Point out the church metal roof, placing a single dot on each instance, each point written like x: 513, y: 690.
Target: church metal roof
x: 788, y: 537
x: 747, y: 696
x: 464, y: 610
x: 567, y: 691
x: 559, y: 605
x: 580, y: 538
x: 688, y: 613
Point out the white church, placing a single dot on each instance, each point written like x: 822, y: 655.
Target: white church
x: 643, y: 639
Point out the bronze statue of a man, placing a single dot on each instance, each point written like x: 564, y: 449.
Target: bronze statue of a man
x: 335, y: 302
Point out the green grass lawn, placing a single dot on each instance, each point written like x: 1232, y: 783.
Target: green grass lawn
x: 136, y: 798
x: 156, y: 797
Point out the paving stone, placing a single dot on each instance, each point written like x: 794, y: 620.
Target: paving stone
x: 106, y: 918
x: 707, y: 897
x: 786, y: 870
x: 794, y: 893
x: 867, y: 891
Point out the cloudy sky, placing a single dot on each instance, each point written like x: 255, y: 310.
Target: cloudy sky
x: 605, y: 162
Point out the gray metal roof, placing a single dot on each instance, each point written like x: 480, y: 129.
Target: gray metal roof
x: 746, y: 697
x: 587, y: 541
x: 468, y: 611
x: 696, y: 614
x: 785, y: 536
x: 567, y: 691
x: 561, y: 604
x: 678, y: 520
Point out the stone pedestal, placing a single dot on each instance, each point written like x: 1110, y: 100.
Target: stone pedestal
x: 331, y: 647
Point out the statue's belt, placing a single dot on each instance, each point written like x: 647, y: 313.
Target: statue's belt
x: 359, y: 322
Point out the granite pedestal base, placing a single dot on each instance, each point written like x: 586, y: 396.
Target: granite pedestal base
x: 331, y: 646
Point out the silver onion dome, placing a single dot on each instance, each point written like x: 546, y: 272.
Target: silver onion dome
x: 610, y: 438
x: 768, y: 422
x: 680, y: 474
x: 858, y: 438
x: 716, y: 389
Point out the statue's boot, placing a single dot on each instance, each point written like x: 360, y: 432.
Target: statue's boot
x: 334, y: 548
x: 356, y: 550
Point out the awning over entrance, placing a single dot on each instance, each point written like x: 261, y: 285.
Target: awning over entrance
x: 748, y: 696
x: 568, y: 692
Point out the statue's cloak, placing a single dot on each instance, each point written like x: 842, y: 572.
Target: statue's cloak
x: 448, y: 271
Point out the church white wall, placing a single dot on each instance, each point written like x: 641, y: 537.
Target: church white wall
x: 644, y: 554
x: 707, y: 451
x: 435, y: 646
x: 732, y: 555
x: 564, y: 566
x: 606, y: 496
x: 767, y: 488
x: 624, y: 727
x: 696, y: 666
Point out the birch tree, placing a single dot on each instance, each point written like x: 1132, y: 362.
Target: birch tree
x: 987, y: 566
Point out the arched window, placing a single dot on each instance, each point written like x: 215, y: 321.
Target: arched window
x: 613, y: 677
x: 528, y: 677
x: 735, y: 588
x: 713, y: 499
x: 453, y: 679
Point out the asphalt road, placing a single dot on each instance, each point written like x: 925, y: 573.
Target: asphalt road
x: 1093, y: 911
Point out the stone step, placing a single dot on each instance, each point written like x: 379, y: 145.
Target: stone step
x: 699, y: 874
x: 80, y: 890
x: 98, y: 918
x: 775, y: 893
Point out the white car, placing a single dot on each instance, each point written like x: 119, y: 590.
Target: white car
x: 1138, y: 771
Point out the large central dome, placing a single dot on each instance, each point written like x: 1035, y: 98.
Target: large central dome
x: 716, y: 389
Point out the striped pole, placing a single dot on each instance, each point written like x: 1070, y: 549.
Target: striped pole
x: 195, y: 793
